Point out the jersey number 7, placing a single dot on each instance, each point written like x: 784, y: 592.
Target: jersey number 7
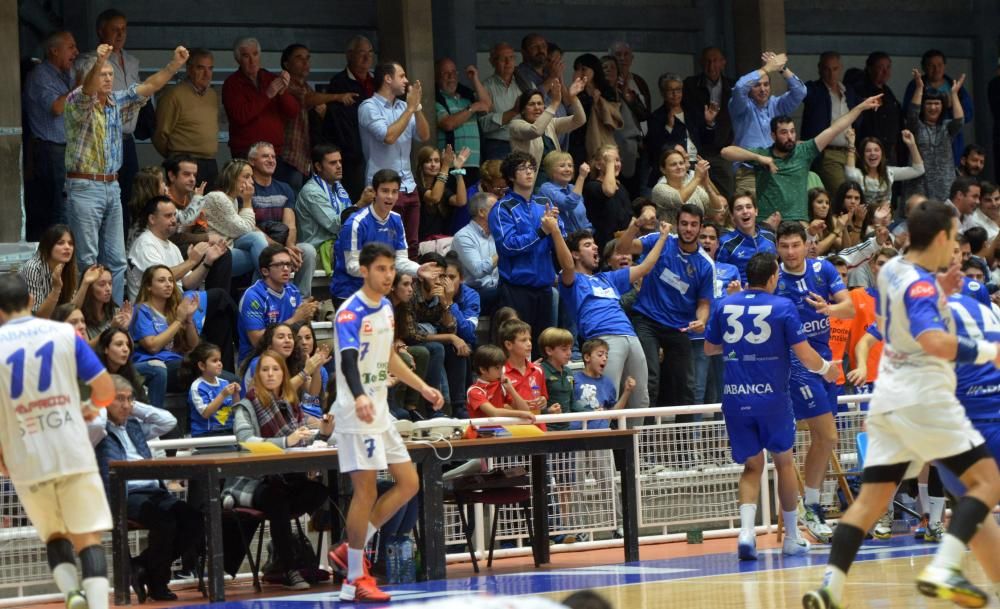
x: 16, y: 363
x: 735, y: 332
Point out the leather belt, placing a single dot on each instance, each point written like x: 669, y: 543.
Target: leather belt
x: 96, y: 177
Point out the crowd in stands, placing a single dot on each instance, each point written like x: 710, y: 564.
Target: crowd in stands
x: 589, y: 222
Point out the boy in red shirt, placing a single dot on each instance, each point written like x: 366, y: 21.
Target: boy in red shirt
x: 526, y: 377
x: 493, y: 395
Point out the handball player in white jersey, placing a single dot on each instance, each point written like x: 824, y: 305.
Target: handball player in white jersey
x: 44, y: 446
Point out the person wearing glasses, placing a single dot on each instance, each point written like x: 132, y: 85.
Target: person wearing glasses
x: 271, y: 299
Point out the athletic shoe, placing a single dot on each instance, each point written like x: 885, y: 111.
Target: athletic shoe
x: 294, y: 581
x: 815, y: 520
x: 934, y: 532
x: 883, y: 530
x: 950, y: 585
x: 363, y: 590
x: 338, y: 560
x: 747, y: 548
x: 794, y: 546
x: 819, y: 599
x: 75, y: 600
x: 921, y: 529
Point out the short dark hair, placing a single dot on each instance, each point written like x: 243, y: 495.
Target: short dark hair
x: 287, y: 53
x: 586, y: 599
x: 452, y: 259
x: 639, y: 203
x: 510, y: 329
x: 692, y: 210
x: 782, y: 119
x: 433, y: 257
x: 107, y: 15
x: 268, y: 253
x: 574, y: 239
x: 876, y: 56
x: 931, y: 54
x: 712, y: 225
x: 971, y: 263
x: 973, y: 149
x: 374, y: 250
x: 486, y: 357
x: 790, y: 228
x: 385, y: 176
x: 761, y: 267
x: 962, y: 184
x: 319, y: 152
x: 927, y: 221
x: 977, y: 237
x: 742, y: 194
x: 590, y: 345
x: 383, y: 69
x: 13, y: 293
x: 836, y: 261
x: 524, y: 98
x: 987, y: 188
x: 508, y: 167
x: 172, y: 164
x: 152, y: 206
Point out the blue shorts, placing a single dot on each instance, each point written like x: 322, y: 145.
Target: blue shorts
x: 811, y: 395
x: 991, y: 433
x: 750, y: 434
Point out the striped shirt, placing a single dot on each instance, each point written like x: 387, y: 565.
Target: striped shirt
x: 94, y: 130
x: 39, y: 279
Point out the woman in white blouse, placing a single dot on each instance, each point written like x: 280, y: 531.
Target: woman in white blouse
x: 537, y: 130
x: 237, y: 228
x: 874, y: 176
x: 678, y: 186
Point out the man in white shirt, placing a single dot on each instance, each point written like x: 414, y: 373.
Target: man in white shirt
x: 988, y: 213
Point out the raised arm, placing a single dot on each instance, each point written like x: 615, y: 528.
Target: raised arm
x: 90, y: 81
x: 637, y: 272
x: 823, y: 139
x: 157, y: 81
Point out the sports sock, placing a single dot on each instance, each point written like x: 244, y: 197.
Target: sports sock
x: 847, y: 539
x: 811, y: 496
x: 936, y: 509
x: 791, y: 522
x: 355, y: 563
x: 748, y: 518
x: 95, y: 577
x: 372, y: 529
x: 950, y: 552
x: 925, y: 502
x: 63, y: 565
x: 833, y: 581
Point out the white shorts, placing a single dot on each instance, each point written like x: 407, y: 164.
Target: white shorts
x: 69, y: 504
x: 360, y: 451
x: 919, y: 434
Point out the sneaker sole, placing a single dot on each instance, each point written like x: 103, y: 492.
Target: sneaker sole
x: 882, y: 536
x: 961, y: 597
x: 76, y: 602
x: 814, y: 600
x: 746, y: 552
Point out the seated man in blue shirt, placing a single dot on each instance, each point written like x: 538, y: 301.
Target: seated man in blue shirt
x: 524, y: 246
x: 474, y: 246
x: 120, y: 433
x: 757, y: 331
x: 374, y: 223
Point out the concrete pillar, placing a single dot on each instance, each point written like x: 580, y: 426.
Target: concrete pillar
x: 759, y: 25
x: 11, y: 173
x: 405, y: 34
x: 984, y: 68
x: 455, y: 32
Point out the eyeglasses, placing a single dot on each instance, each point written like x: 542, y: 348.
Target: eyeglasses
x: 526, y: 168
x: 280, y: 265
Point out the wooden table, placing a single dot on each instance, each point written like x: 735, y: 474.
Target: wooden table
x: 206, y: 473
x: 622, y: 442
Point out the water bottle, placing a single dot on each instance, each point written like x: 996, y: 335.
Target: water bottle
x: 392, y: 561
x: 407, y: 564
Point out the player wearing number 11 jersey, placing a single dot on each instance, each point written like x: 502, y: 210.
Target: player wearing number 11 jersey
x: 756, y: 332
x: 44, y: 446
x: 366, y: 439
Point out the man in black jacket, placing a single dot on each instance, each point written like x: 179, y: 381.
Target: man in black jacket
x: 340, y: 125
x: 706, y: 96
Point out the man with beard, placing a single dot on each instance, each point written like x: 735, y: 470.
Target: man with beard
x: 782, y: 171
x: 595, y: 298
x: 673, y: 303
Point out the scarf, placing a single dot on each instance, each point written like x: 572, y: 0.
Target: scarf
x: 278, y: 420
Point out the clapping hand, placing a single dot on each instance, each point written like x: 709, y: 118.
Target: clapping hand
x: 231, y: 389
x: 918, y: 79
x: 187, y: 307
x: 578, y: 85
x: 92, y: 274
x: 472, y: 72
x: 957, y: 85
x: 200, y: 190
x: 413, y: 95
x: 123, y: 317
x: 57, y: 281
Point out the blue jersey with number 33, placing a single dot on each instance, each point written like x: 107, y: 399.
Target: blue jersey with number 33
x: 756, y: 331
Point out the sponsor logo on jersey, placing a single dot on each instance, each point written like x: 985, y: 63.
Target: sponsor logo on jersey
x: 816, y: 326
x: 345, y: 316
x: 366, y: 327
x: 292, y: 301
x: 817, y: 266
x: 922, y: 289
x: 748, y: 389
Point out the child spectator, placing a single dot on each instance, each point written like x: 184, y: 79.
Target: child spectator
x: 493, y: 395
x: 502, y: 316
x: 557, y: 345
x: 210, y: 397
x: 525, y: 376
x: 592, y: 391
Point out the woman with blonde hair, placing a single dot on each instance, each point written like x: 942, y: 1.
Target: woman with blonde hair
x: 234, y: 190
x: 608, y: 204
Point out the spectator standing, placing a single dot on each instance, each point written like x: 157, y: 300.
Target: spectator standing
x: 340, y: 123
x: 564, y: 195
x: 187, y: 117
x: 45, y: 92
x: 112, y: 30
x: 457, y: 108
x: 633, y: 87
x: 972, y: 162
x: 438, y: 200
x: 669, y: 128
x: 606, y: 200
x: 752, y: 107
x: 927, y: 117
x: 875, y: 175
x: 504, y: 92
x: 747, y: 238
x: 257, y: 102
x: 96, y: 114
x: 678, y: 186
x: 886, y: 121
x: 934, y: 64
x: 274, y: 208
x: 827, y: 99
x: 708, y: 94
x: 389, y: 125
x: 706, y: 370
x: 537, y: 129
x: 181, y: 176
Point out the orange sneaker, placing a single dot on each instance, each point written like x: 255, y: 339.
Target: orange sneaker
x: 338, y: 560
x: 363, y: 590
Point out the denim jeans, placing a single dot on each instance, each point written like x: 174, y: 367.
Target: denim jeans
x: 94, y: 210
x: 303, y: 279
x: 160, y: 376
x: 699, y: 370
x: 246, y: 253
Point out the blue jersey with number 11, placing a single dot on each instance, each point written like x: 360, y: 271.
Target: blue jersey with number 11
x: 821, y: 278
x: 756, y: 331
